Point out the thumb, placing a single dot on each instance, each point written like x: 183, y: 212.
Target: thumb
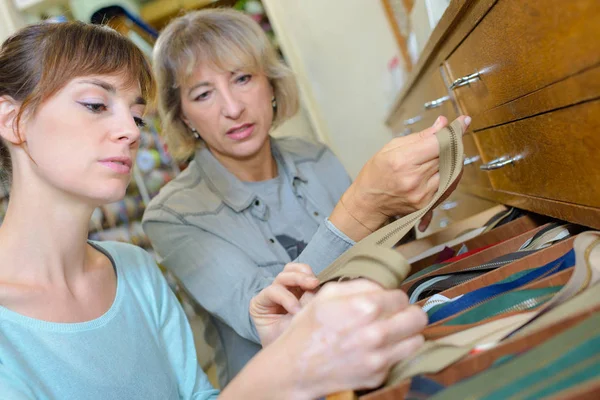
x: 425, y: 221
x: 439, y: 123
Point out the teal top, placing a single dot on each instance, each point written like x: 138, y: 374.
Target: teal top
x: 141, y: 348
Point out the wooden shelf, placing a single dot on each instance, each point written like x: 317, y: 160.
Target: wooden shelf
x: 158, y: 13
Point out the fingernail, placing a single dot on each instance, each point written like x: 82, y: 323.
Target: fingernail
x: 437, y: 121
x: 422, y: 226
x: 468, y: 121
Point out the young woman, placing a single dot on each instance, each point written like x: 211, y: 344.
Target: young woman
x: 248, y: 204
x: 96, y: 320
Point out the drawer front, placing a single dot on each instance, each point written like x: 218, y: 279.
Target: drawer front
x: 472, y: 175
x: 430, y: 88
x: 522, y: 46
x: 557, y: 153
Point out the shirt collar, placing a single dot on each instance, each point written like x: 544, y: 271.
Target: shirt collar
x: 228, y: 187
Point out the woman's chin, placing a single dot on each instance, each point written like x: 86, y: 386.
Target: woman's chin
x: 248, y: 149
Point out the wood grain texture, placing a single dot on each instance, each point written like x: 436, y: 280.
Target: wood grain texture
x: 458, y: 20
x: 415, y: 104
x: 587, y: 216
x: 559, y: 150
x: 572, y: 90
x: 546, y: 41
x: 472, y: 174
x: 348, y: 395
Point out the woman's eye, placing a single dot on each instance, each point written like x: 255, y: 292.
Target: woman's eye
x: 244, y: 79
x: 202, y: 96
x: 95, y: 107
x: 139, y: 122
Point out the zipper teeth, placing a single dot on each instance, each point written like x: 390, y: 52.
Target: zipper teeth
x: 436, y: 302
x: 500, y: 294
x: 525, y: 304
x: 452, y: 168
x: 483, y: 266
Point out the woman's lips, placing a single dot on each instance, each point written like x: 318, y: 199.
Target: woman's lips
x: 240, y: 133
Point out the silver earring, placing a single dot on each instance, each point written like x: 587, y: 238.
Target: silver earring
x: 274, y: 102
x: 195, y: 133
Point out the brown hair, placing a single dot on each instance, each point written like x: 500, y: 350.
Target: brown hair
x: 39, y: 60
x: 227, y: 40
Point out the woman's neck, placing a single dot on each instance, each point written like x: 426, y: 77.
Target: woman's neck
x: 43, y: 238
x: 259, y: 167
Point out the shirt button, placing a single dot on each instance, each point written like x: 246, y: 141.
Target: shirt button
x: 316, y: 214
x: 271, y: 240
x: 257, y: 203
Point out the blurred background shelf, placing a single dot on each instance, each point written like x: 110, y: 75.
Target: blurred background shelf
x: 159, y: 12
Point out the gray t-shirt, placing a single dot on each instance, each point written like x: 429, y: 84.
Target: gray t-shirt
x: 288, y: 219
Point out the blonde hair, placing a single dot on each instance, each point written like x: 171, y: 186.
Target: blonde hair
x: 226, y: 40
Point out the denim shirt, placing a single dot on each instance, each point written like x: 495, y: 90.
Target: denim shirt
x: 212, y: 232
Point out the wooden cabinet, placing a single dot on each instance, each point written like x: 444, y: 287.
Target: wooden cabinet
x: 522, y: 46
x: 555, y: 155
x: 424, y: 106
x: 533, y: 91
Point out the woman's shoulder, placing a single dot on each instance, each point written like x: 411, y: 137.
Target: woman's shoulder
x: 187, y: 194
x: 133, y: 263
x: 124, y: 254
x: 301, y: 150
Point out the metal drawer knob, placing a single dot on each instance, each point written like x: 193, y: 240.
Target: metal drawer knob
x: 470, y: 160
x: 465, y: 80
x: 436, y: 103
x: 499, y: 163
x: 412, y: 120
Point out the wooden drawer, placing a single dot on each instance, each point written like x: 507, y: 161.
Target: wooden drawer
x: 522, y: 46
x: 559, y: 155
x: 472, y: 175
x: 413, y: 108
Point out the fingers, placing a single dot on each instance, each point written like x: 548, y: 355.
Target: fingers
x: 439, y: 123
x: 387, y: 332
x: 297, y: 275
x: 355, y: 309
x: 297, y: 279
x: 402, y: 350
x: 425, y: 143
x: 278, y: 295
x: 465, y: 121
x: 355, y: 286
x: 299, y: 267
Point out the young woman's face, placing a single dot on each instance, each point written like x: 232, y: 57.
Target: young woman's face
x: 232, y: 111
x: 85, y: 138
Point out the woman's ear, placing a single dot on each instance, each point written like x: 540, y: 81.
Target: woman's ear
x: 9, y: 110
x: 185, y: 121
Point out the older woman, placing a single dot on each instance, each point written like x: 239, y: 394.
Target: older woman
x: 248, y: 204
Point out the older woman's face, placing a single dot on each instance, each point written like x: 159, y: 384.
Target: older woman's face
x: 232, y: 111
